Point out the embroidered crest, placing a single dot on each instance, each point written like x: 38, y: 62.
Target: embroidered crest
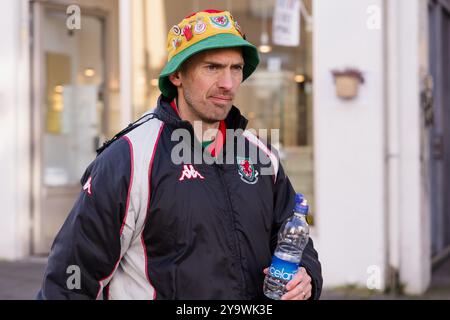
x: 246, y: 170
x: 221, y: 22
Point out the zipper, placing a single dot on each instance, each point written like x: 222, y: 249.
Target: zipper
x: 233, y: 220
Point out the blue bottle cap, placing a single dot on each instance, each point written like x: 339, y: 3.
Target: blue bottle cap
x: 298, y: 198
x: 301, y: 205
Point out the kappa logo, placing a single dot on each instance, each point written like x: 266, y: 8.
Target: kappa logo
x: 190, y: 173
x: 87, y: 186
x: 246, y: 170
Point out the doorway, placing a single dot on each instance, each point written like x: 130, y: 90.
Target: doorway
x: 70, y: 111
x: 439, y: 59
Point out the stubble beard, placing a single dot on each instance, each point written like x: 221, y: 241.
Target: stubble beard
x: 204, y: 118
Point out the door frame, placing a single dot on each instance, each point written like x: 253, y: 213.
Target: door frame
x: 439, y: 141
x: 37, y: 96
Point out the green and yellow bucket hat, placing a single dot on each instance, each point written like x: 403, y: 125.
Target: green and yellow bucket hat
x: 204, y: 30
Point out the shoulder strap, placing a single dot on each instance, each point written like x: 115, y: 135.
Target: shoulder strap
x: 146, y: 117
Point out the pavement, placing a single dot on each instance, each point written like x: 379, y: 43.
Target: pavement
x: 439, y: 289
x: 21, y: 280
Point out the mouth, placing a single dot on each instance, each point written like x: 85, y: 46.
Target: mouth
x: 221, y: 99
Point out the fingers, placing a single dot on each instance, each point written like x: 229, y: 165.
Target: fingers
x: 308, y: 292
x: 298, y: 293
x: 299, y: 288
x: 298, y: 277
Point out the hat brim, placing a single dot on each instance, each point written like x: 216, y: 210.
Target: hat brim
x: 223, y: 40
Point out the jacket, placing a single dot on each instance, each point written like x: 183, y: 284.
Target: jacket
x: 147, y: 227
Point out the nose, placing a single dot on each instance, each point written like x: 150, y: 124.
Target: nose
x: 225, y: 80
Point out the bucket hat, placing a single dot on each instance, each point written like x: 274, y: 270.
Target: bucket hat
x: 200, y: 31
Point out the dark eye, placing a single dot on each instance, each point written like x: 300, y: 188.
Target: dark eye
x: 212, y: 67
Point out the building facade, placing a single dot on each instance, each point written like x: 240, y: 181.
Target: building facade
x: 375, y: 167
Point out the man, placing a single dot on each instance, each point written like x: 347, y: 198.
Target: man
x: 153, y: 223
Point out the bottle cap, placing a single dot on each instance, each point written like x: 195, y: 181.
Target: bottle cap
x: 301, y: 204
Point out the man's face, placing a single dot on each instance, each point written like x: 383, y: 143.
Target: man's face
x: 207, y: 84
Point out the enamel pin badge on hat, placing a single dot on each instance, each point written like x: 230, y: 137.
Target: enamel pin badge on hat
x: 200, y: 26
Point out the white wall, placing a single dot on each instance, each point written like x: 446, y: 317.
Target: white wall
x: 371, y: 191
x: 414, y: 215
x: 14, y: 131
x: 349, y: 144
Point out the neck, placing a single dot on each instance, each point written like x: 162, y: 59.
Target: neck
x: 209, y: 131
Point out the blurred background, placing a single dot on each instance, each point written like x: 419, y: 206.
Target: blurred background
x: 359, y: 89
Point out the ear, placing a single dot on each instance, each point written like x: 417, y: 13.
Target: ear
x: 175, y: 78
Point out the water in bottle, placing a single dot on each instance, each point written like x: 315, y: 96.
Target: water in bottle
x: 292, y: 239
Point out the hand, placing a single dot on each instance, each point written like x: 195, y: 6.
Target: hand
x: 299, y: 288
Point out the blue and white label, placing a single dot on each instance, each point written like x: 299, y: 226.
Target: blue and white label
x: 282, y: 269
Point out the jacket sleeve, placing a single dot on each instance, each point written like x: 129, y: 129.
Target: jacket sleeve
x: 87, y: 249
x: 284, y: 201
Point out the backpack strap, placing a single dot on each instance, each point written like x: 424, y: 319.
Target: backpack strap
x: 146, y: 117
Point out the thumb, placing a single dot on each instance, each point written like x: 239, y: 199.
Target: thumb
x: 266, y: 270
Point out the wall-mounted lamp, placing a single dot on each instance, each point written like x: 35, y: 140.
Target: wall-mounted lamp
x: 89, y: 72
x: 58, y: 89
x: 265, y: 47
x: 347, y: 82
x: 299, y: 78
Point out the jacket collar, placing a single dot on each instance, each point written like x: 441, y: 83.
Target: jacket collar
x: 166, y: 113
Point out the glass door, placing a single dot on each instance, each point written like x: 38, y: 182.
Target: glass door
x: 68, y: 112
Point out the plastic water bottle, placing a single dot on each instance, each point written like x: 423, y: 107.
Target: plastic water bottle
x: 292, y: 239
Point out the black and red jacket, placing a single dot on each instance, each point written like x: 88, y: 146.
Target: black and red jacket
x: 147, y: 227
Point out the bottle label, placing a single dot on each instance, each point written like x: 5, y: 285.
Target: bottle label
x: 282, y: 269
